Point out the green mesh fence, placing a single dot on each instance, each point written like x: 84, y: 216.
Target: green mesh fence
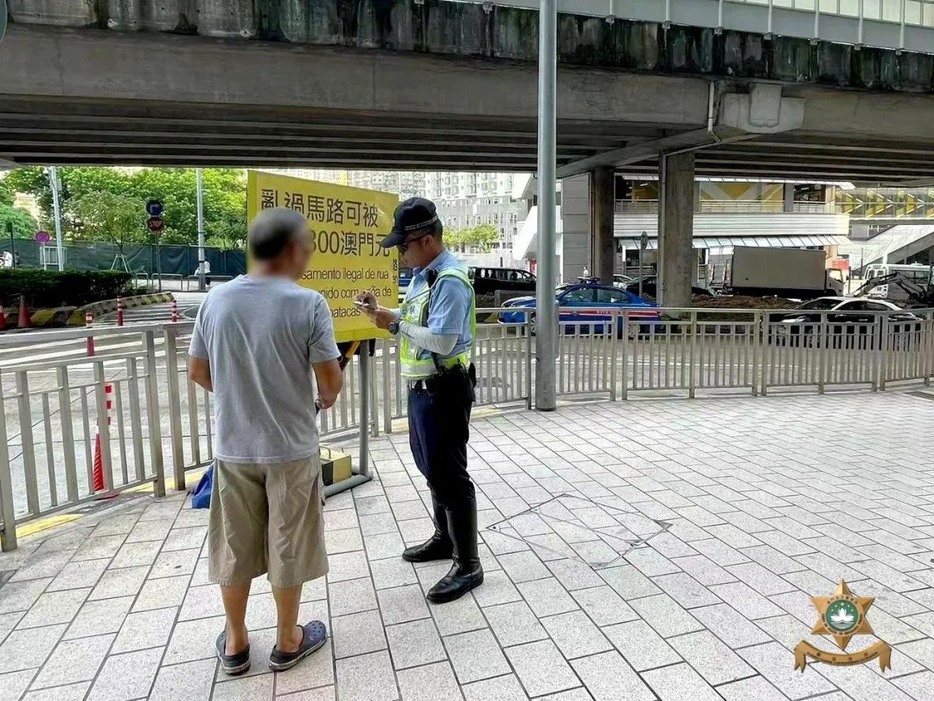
x: 141, y: 259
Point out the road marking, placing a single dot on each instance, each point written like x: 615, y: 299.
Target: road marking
x: 44, y: 524
x: 192, y: 477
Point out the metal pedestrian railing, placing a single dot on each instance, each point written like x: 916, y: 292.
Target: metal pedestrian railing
x: 55, y: 396
x: 118, y: 416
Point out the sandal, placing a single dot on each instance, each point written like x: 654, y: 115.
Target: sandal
x: 314, y: 635
x: 232, y: 664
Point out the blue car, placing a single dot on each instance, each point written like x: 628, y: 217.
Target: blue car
x: 405, y: 279
x: 591, y: 298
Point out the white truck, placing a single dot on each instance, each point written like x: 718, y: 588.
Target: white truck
x: 794, y: 273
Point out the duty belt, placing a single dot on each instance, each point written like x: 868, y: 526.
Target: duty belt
x: 421, y: 383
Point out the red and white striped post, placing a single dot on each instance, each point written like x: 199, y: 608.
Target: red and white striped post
x: 119, y: 311
x: 88, y: 323
x: 174, y: 311
x: 109, y: 402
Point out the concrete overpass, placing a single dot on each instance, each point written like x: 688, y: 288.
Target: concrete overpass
x: 400, y: 84
x: 439, y: 85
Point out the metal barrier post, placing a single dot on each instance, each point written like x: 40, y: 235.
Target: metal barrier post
x: 194, y: 434
x: 387, y: 386
x: 766, y: 356
x: 876, y: 351
x: 613, y: 340
x: 26, y: 438
x: 175, y: 409
x: 822, y: 354
x: 152, y: 413
x: 692, y: 362
x: 625, y: 353
x: 68, y: 435
x: 363, y: 475
x: 756, y: 333
x: 136, y: 425
x: 884, y: 345
x: 364, y: 414
x: 926, y: 348
x: 7, y: 512
x: 374, y: 399
x: 527, y: 328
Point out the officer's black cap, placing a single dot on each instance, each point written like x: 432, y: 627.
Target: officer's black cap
x: 414, y: 215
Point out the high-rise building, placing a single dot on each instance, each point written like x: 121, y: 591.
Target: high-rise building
x: 464, y: 200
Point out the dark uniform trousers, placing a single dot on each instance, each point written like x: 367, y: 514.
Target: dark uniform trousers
x: 439, y: 428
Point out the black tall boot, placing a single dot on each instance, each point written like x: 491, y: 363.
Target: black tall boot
x: 439, y: 546
x: 466, y: 574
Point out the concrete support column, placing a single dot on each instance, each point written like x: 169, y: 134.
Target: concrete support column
x: 676, y: 259
x: 602, y: 213
x: 576, y: 227
x: 789, y: 198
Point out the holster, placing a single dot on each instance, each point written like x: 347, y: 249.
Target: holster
x: 455, y: 380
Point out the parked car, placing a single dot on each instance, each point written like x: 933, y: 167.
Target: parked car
x: 844, y: 316
x: 405, y: 279
x: 594, y: 298
x: 486, y: 281
x: 618, y: 280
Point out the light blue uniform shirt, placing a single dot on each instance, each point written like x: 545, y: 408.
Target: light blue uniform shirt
x: 449, y: 310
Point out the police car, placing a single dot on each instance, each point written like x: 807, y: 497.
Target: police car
x: 587, y: 307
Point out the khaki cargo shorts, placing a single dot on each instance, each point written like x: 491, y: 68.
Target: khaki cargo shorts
x: 266, y: 518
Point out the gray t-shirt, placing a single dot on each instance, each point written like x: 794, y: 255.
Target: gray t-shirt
x: 260, y: 336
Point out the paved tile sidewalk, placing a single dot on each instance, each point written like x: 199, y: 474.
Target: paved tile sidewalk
x: 766, y: 503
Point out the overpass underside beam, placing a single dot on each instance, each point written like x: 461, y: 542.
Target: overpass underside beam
x: 64, y: 100
x: 650, y: 149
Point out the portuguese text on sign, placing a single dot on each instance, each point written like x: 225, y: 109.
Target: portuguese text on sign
x: 346, y: 224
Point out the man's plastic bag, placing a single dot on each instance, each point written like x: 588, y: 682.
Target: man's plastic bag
x: 201, y: 496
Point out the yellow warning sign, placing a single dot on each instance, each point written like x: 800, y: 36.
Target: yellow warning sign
x: 347, y: 224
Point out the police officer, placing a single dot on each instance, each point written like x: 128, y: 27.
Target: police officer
x: 435, y: 327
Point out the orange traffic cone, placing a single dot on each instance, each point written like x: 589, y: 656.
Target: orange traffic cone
x: 98, y: 464
x: 98, y: 471
x: 25, y: 320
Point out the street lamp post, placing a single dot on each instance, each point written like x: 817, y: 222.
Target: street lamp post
x: 57, y: 211
x: 547, y: 327
x: 200, y: 196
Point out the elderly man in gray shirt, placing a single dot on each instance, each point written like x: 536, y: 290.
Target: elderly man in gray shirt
x: 264, y: 345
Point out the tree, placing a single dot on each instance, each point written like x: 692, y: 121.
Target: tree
x: 224, y: 198
x: 6, y: 193
x: 33, y: 181
x: 482, y: 236
x: 224, y: 191
x: 105, y: 216
x: 225, y: 207
x: 24, y: 226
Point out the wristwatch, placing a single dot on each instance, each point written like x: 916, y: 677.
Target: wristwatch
x: 393, y: 327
